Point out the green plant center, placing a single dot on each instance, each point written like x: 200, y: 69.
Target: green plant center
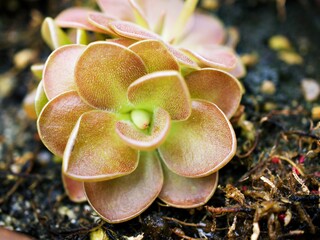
x: 141, y: 118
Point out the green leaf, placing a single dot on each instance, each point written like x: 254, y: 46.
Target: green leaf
x: 97, y: 153
x: 216, y: 86
x: 104, y: 72
x: 124, y: 198
x: 139, y: 16
x: 74, y: 189
x: 101, y: 21
x: 132, y: 30
x: 81, y: 37
x: 212, y: 56
x: 37, y: 70
x: 182, y: 192
x: 58, y: 73
x: 76, y: 17
x: 40, y: 99
x: 143, y: 140
x: 119, y: 9
x: 165, y: 89
x: 58, y: 118
x: 206, y: 31
x: 53, y: 35
x: 182, y: 58
x: 202, y: 144
x: 155, y: 55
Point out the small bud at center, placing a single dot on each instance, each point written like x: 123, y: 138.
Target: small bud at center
x: 141, y: 118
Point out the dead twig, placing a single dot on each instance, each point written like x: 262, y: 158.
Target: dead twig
x: 222, y: 210
x: 181, y: 234
x: 253, y: 147
x: 302, y: 134
x: 290, y: 162
x: 201, y: 225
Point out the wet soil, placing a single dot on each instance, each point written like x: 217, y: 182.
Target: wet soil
x: 270, y: 188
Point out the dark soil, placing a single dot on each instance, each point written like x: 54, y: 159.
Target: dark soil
x: 272, y: 182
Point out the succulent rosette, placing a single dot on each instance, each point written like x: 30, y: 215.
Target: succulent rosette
x: 194, y: 37
x: 131, y: 127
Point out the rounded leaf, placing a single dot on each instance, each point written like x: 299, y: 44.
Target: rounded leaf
x: 101, y: 21
x: 165, y: 89
x: 182, y: 192
x: 58, y: 118
x: 213, y: 56
x: 206, y: 30
x: 182, y: 58
x: 74, y: 189
x: 76, y: 17
x: 126, y: 42
x: 143, y: 140
x: 94, y: 151
x: 215, y: 86
x: 104, y: 72
x: 239, y: 71
x: 132, y: 30
x: 124, y: 198
x: 118, y: 9
x: 202, y: 144
x: 155, y: 55
x: 58, y: 73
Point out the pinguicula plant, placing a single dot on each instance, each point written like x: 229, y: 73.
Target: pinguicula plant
x: 193, y: 37
x: 131, y: 125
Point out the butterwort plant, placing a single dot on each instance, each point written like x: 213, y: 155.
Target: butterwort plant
x: 131, y: 126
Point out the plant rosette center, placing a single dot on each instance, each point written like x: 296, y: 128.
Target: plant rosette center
x: 127, y: 121
x: 141, y: 118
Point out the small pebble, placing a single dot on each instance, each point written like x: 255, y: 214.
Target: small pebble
x: 279, y: 42
x: 28, y: 105
x: 98, y: 234
x: 65, y: 211
x: 210, y: 4
x: 23, y: 58
x: 7, y: 83
x: 250, y: 59
x: 269, y: 106
x: 3, y: 165
x: 310, y: 89
x: 57, y: 159
x: 43, y: 157
x: 268, y: 87
x: 315, y: 113
x: 290, y: 58
x: 248, y: 129
x: 16, y: 168
x: 87, y: 208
